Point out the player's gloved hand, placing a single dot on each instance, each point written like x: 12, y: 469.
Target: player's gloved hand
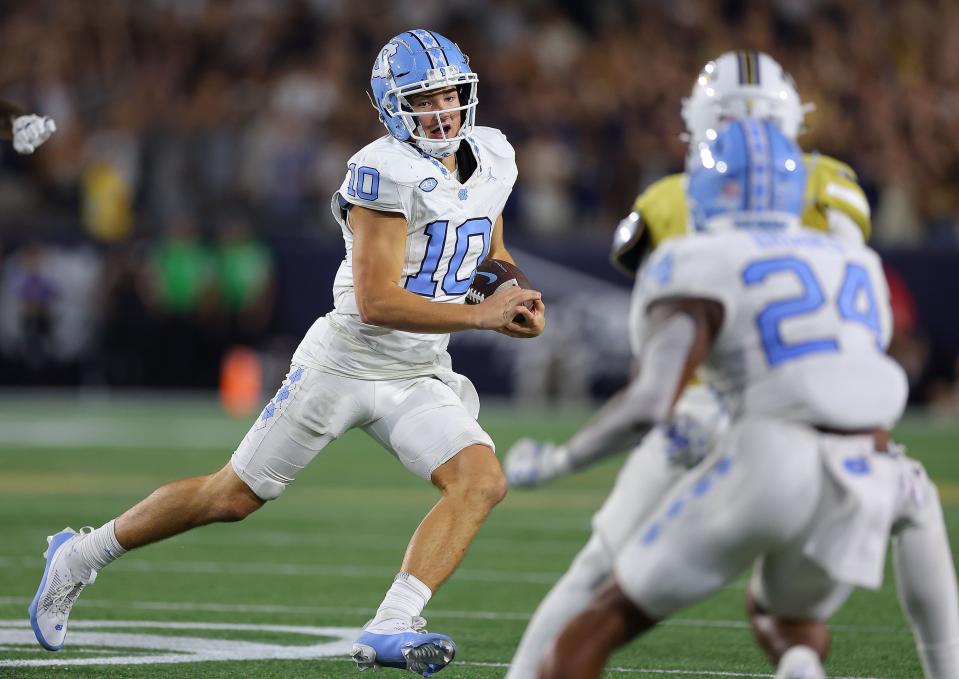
x: 687, y: 441
x: 530, y: 463
x: 695, y: 427
x: 31, y: 131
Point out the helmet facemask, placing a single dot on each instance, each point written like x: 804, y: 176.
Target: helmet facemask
x: 420, y: 127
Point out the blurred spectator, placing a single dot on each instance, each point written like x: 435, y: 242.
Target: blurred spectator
x: 126, y: 321
x: 908, y: 345
x: 48, y: 314
x: 167, y: 108
x: 245, y: 282
x: 181, y: 296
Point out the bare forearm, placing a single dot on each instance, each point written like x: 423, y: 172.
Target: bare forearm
x: 612, y: 430
x: 626, y: 419
x: 403, y: 310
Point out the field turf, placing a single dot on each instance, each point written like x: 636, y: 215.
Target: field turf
x: 282, y: 593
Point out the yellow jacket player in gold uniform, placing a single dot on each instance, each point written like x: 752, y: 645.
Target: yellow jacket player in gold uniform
x: 834, y: 203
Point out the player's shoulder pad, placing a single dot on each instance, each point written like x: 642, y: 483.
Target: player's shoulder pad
x: 702, y: 266
x: 663, y: 208
x: 832, y: 184
x: 394, y: 160
x: 496, y: 151
x: 494, y: 142
x: 666, y: 188
x: 830, y: 165
x: 382, y: 176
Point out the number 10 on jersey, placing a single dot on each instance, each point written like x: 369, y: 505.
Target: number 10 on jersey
x: 424, y: 282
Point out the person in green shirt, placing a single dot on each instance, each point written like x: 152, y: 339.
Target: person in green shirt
x: 245, y: 283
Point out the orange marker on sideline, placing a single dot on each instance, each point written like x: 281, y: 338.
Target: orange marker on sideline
x: 241, y: 376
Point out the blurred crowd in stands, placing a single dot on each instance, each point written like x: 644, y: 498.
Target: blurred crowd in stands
x: 190, y: 132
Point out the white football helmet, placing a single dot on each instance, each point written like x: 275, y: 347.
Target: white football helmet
x: 737, y: 85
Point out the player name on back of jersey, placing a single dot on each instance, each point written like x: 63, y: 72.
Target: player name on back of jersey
x: 806, y: 323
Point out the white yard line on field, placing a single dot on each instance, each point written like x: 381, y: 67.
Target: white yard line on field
x: 195, y: 649
x: 89, y: 432
x: 307, y: 570
x: 438, y: 613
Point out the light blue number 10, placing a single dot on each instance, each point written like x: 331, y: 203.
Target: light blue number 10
x: 358, y: 182
x: 422, y: 282
x: 855, y: 283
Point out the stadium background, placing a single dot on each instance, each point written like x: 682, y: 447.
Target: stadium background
x: 181, y: 212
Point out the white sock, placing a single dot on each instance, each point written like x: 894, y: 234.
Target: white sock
x: 100, y: 548
x: 406, y: 599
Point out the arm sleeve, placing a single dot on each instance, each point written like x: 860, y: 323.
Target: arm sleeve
x: 646, y: 401
x: 686, y: 268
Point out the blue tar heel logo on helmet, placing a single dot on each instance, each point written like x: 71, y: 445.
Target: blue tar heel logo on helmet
x: 751, y: 176
x: 415, y: 62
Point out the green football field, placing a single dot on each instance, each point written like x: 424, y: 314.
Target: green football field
x: 283, y: 593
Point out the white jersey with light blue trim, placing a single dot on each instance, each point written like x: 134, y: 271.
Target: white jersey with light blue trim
x: 806, y: 324
x: 449, y: 225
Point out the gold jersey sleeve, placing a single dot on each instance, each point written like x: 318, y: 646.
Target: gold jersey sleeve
x: 832, y: 185
x: 662, y: 207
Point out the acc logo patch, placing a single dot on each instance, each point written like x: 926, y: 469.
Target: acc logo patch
x: 428, y: 184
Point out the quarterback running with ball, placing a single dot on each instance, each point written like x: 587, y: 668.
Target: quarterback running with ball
x: 419, y: 209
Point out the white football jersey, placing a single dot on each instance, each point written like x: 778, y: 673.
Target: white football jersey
x: 449, y: 225
x: 806, y: 324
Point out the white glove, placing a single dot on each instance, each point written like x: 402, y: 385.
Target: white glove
x: 699, y: 422
x: 531, y: 463
x: 31, y: 131
x: 688, y: 440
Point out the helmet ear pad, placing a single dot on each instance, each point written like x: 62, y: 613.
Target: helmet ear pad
x: 395, y: 123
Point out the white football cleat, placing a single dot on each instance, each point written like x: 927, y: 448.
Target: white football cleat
x: 800, y: 662
x: 63, y: 580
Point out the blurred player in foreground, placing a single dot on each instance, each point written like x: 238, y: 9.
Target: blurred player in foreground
x: 27, y: 130
x: 419, y: 209
x: 790, y: 325
x: 733, y: 86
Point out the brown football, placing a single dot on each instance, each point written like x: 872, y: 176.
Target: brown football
x: 493, y: 275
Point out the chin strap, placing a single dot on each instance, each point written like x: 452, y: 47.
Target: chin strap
x: 429, y: 149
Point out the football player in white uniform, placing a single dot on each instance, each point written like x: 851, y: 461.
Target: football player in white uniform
x: 734, y: 85
x: 419, y: 209
x: 27, y: 131
x: 791, y: 327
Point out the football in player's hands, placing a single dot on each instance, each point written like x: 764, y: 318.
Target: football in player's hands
x: 496, y: 275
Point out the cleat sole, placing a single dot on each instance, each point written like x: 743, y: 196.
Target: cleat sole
x: 429, y: 658
x: 364, y: 656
